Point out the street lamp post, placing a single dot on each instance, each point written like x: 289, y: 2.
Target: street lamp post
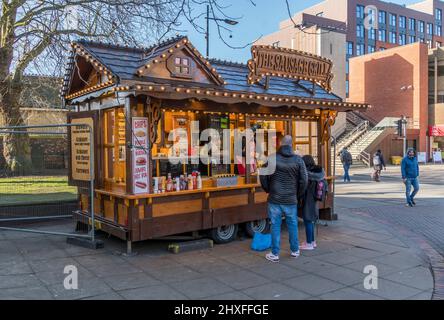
x: 207, y: 35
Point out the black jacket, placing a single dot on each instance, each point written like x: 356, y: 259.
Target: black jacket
x: 310, y: 208
x: 289, y: 180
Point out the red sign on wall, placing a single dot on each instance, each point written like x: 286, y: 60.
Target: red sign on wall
x: 436, y: 131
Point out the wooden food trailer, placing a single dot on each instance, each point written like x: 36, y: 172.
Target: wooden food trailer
x: 136, y: 98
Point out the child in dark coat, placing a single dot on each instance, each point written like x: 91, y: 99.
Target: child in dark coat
x: 310, y: 203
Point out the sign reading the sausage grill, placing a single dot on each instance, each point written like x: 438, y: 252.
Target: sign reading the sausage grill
x: 287, y: 63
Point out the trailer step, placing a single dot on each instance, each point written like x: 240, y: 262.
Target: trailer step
x: 200, y: 244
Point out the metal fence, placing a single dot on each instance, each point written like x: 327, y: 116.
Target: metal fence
x: 37, y: 190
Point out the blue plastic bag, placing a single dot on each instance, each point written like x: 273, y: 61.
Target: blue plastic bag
x: 261, y: 241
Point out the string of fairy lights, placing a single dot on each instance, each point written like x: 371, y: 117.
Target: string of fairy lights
x: 196, y: 92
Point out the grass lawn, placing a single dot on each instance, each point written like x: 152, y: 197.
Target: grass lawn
x: 35, y: 189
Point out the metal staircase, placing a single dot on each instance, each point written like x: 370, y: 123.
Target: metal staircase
x: 361, y: 138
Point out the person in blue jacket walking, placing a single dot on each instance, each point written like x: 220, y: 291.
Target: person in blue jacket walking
x: 410, y: 173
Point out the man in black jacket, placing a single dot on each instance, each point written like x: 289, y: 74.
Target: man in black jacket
x: 284, y: 187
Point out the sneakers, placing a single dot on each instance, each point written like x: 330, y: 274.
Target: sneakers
x: 413, y: 202
x: 296, y: 254
x: 274, y: 258
x: 409, y: 204
x: 314, y: 244
x: 271, y: 257
x: 306, y: 246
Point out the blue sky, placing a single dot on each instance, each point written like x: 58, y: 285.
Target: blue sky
x: 261, y: 19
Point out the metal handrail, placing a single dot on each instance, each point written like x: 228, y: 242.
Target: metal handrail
x: 365, y: 157
x: 363, y: 126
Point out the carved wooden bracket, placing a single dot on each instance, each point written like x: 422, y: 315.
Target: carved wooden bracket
x: 328, y: 118
x: 154, y: 115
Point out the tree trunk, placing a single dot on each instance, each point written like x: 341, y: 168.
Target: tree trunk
x: 16, y: 146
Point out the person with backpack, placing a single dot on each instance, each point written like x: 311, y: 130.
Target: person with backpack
x: 315, y: 193
x: 347, y: 161
x: 378, y: 164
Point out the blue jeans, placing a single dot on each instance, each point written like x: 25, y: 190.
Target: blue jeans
x: 275, y: 212
x: 309, y: 231
x: 409, y: 183
x: 346, y: 174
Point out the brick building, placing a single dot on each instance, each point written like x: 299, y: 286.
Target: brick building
x: 374, y: 25
x: 396, y: 82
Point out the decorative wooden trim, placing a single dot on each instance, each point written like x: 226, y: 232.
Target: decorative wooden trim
x: 183, y: 43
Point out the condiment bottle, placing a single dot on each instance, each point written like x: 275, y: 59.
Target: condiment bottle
x: 169, y: 184
x: 194, y: 176
x: 190, y: 182
x: 183, y: 184
x: 178, y: 184
x: 199, y: 181
x: 156, y: 185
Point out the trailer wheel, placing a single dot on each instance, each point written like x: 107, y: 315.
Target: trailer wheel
x: 261, y: 226
x: 224, y: 234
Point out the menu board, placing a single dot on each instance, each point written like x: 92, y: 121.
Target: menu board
x: 422, y: 157
x: 81, y: 149
x: 437, y: 157
x: 140, y: 155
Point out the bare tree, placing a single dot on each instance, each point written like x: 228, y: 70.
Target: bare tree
x: 36, y: 34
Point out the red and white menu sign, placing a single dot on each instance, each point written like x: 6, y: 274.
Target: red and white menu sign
x: 140, y: 155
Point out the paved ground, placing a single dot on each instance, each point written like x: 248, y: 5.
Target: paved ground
x: 384, y: 201
x: 31, y: 266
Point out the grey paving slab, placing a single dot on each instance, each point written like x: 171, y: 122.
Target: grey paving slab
x: 275, y: 291
x: 58, y: 276
x: 401, y: 260
x: 248, y: 260
x: 105, y: 296
x: 338, y: 258
x: 313, y: 284
x: 348, y: 294
x: 8, y: 247
x: 214, y: 267
x: 86, y: 288
x: 130, y: 281
x: 14, y: 267
x: 57, y: 264
x: 201, y: 288
x: 19, y: 281
x: 425, y: 295
x: 104, y: 270
x: 383, y: 269
x: 11, y: 257
x: 173, y: 273
x: 28, y: 293
x: 311, y: 265
x: 235, y: 295
x: 279, y: 271
x: 396, y: 242
x: 377, y: 236
x: 147, y: 262
x: 391, y: 290
x: 160, y: 292
x: 242, y: 279
x: 342, y: 275
x: 98, y: 259
x: 44, y: 254
x: 363, y: 252
x: 417, y: 277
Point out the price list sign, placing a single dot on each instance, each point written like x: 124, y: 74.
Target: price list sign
x: 81, y: 149
x: 140, y: 155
